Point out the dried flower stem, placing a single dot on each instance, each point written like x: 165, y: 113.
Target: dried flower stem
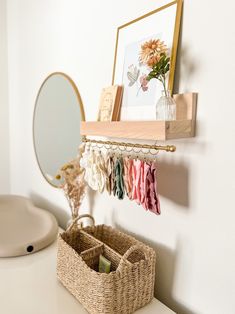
x: 73, y: 183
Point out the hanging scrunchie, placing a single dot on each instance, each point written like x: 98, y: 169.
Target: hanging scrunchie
x: 100, y: 173
x: 152, y: 199
x: 119, y: 189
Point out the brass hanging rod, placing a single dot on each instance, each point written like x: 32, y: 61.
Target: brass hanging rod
x: 167, y: 148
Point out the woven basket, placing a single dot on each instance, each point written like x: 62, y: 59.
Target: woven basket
x: 130, y: 284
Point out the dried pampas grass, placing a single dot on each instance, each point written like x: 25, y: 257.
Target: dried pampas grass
x: 73, y: 183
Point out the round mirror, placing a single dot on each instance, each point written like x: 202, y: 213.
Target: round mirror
x: 56, y: 124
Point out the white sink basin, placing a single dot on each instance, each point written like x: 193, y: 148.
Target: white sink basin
x: 24, y: 228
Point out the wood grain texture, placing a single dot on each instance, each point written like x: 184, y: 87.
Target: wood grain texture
x: 178, y: 129
x: 182, y: 127
x: 126, y: 129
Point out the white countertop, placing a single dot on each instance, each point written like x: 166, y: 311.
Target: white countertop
x: 28, y: 285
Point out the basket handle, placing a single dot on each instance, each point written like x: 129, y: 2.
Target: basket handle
x: 132, y: 249
x: 75, y: 221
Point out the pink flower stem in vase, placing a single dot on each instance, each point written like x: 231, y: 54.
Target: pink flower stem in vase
x: 138, y: 91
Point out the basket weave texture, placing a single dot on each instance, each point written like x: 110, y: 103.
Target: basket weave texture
x: 130, y: 284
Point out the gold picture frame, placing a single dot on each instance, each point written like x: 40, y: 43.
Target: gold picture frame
x: 174, y: 19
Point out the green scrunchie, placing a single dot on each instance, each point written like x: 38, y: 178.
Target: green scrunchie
x: 119, y: 189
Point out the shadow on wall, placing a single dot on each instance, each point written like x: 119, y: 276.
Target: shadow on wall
x: 61, y: 215
x: 185, y: 63
x: 165, y: 273
x: 173, y: 182
x: 90, y: 194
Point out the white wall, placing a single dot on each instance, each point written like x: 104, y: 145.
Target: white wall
x: 4, y: 111
x: 194, y: 237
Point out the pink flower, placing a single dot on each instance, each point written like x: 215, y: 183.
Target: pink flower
x: 144, y: 82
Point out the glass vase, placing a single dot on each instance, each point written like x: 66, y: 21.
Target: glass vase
x: 166, y: 107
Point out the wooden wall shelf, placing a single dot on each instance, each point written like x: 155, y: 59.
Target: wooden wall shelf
x: 182, y: 127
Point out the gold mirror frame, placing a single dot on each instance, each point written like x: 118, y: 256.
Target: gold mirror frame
x: 82, y: 112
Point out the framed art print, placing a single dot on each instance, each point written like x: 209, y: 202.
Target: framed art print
x: 162, y: 24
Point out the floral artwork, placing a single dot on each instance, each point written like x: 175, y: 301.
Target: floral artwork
x: 133, y: 75
x: 138, y: 71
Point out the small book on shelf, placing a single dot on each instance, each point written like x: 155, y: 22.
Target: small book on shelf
x: 110, y: 103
